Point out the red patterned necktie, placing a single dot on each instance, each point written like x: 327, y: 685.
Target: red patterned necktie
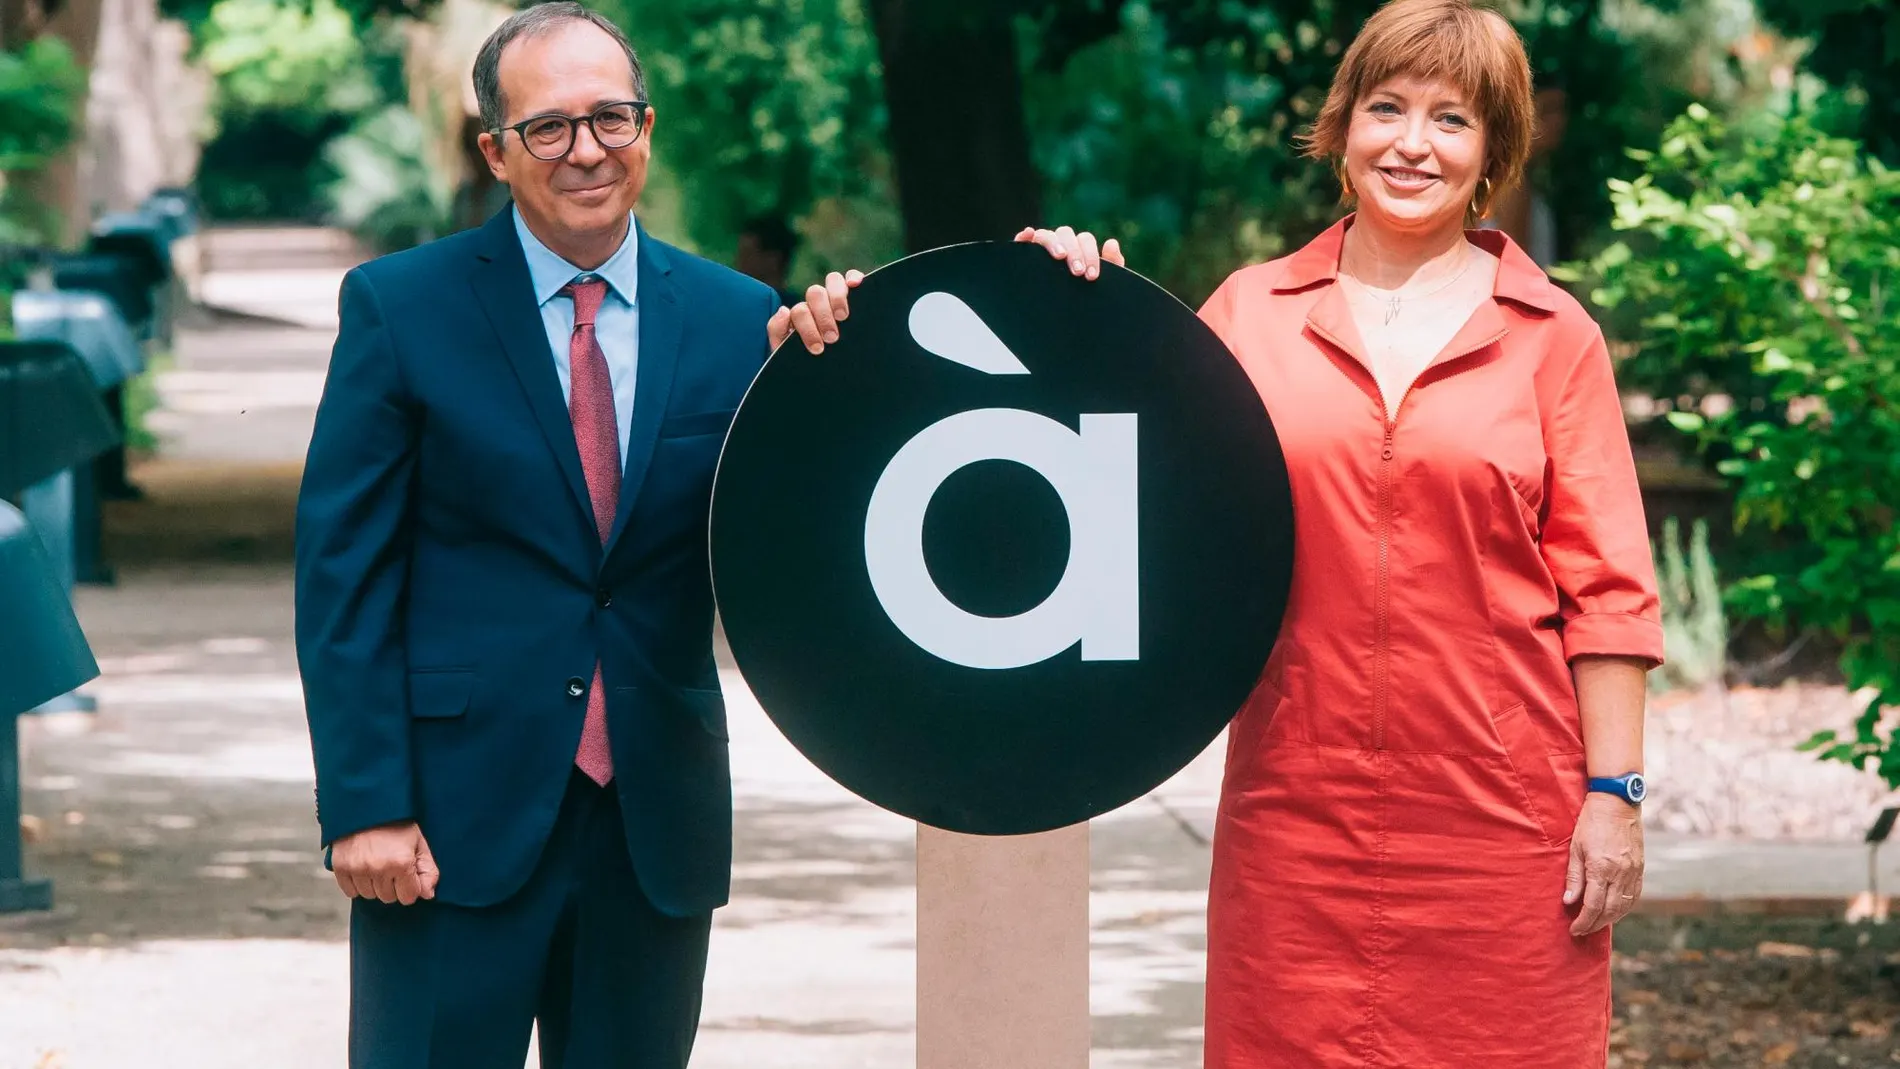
x: 590, y: 405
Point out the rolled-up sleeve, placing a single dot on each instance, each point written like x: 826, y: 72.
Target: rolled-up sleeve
x: 1595, y: 541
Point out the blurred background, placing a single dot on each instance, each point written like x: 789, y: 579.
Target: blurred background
x: 184, y: 182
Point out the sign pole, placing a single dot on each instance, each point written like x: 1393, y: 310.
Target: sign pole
x: 1003, y: 950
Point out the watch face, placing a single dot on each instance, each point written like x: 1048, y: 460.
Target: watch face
x: 1638, y: 787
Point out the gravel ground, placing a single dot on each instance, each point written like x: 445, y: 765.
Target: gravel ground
x: 1725, y: 765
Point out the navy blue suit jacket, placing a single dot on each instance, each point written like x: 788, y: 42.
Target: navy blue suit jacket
x: 451, y: 583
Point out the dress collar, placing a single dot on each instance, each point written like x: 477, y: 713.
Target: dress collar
x: 1519, y: 278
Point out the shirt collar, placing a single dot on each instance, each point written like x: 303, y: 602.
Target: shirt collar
x: 549, y: 271
x: 1519, y: 277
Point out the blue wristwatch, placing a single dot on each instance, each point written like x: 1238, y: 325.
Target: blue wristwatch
x: 1631, y: 787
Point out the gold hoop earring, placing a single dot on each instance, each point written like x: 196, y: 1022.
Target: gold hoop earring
x: 1346, y: 192
x: 1481, y: 201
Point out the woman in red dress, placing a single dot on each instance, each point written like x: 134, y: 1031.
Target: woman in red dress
x: 1414, y: 866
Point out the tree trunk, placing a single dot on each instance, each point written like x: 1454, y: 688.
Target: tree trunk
x: 960, y: 145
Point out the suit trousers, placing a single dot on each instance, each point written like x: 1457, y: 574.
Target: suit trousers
x: 579, y: 950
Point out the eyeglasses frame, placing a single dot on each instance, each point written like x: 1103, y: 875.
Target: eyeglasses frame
x: 640, y: 109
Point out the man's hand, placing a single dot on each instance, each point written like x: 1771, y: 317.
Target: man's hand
x: 816, y: 318
x: 390, y: 864
x: 1606, y: 863
x: 1063, y: 243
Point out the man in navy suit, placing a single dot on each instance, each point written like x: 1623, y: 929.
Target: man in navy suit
x: 504, y: 613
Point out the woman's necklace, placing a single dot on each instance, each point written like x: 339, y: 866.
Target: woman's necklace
x: 1394, y: 300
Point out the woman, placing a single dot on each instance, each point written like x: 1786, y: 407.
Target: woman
x: 1411, y: 868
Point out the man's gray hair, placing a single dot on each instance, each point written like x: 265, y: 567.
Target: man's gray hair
x: 533, y: 22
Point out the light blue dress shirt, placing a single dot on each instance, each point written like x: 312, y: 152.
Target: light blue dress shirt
x: 616, y: 325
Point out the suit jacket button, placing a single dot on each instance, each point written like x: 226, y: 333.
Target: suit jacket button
x: 576, y: 687
x: 603, y: 597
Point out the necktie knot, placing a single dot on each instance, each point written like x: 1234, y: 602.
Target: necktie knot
x: 587, y: 292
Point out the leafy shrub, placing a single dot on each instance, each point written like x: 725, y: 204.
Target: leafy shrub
x: 385, y: 191
x: 289, y: 78
x: 1758, y: 285
x: 40, y: 87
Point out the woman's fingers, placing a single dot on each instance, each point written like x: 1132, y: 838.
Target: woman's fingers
x: 1051, y: 242
x: 1623, y: 898
x: 1612, y: 886
x: 838, y: 295
x: 1071, y: 249
x: 1091, y: 257
x: 1079, y: 249
x: 1596, y: 892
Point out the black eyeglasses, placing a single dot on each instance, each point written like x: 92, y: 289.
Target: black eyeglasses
x: 551, y: 137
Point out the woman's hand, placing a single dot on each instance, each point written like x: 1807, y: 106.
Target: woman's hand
x: 1606, y: 863
x: 1085, y: 260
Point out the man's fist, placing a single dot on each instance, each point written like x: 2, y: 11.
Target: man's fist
x: 390, y: 864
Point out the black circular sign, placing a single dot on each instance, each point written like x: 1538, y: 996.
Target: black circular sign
x: 1010, y: 552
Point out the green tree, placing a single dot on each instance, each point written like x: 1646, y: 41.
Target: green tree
x: 768, y: 106
x: 1758, y: 281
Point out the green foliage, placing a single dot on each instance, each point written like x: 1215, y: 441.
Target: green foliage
x: 289, y: 78
x: 141, y: 400
x: 1758, y: 284
x: 268, y: 56
x: 384, y: 191
x: 770, y: 106
x: 41, y: 85
x: 1180, y: 150
x: 1695, y: 628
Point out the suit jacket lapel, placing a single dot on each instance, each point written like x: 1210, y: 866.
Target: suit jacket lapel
x: 660, y: 324
x: 506, y: 297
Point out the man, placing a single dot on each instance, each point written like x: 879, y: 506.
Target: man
x: 503, y: 608
x: 765, y: 249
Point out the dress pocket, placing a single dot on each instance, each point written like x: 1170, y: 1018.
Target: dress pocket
x: 1262, y: 720
x: 1549, y: 784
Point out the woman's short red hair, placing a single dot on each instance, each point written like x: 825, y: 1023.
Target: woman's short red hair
x: 1453, y: 41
